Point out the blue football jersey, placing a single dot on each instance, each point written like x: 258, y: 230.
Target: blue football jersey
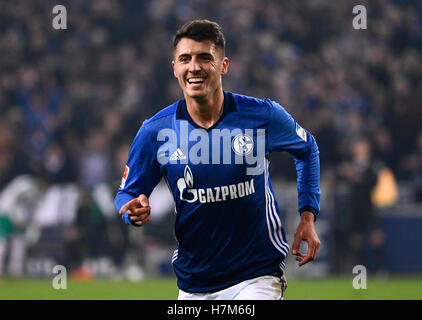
x: 228, y: 225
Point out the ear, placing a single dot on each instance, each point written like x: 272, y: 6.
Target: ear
x: 174, y: 71
x: 224, y: 66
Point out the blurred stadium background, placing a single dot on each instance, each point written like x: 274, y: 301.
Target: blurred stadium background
x: 72, y: 100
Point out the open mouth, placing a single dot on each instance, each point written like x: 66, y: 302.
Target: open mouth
x: 196, y: 81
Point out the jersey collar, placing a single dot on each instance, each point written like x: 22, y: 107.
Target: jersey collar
x: 229, y: 106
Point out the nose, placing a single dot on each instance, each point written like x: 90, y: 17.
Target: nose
x: 194, y: 66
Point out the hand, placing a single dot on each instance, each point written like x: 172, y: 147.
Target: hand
x: 138, y: 210
x: 306, y: 232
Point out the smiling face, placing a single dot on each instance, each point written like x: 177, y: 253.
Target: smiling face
x: 199, y: 66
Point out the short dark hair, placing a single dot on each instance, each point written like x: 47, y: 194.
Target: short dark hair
x: 200, y: 30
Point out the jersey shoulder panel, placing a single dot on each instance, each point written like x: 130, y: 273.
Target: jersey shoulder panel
x: 162, y: 115
x: 248, y: 101
x: 253, y: 108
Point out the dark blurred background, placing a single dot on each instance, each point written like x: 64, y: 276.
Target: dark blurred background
x: 71, y: 102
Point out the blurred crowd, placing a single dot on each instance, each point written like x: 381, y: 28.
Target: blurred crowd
x: 72, y: 100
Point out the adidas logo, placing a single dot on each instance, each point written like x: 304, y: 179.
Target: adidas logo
x: 177, y: 155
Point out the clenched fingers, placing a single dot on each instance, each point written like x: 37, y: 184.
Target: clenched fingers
x: 141, y: 221
x: 138, y: 211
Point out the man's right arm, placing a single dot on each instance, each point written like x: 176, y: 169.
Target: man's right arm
x: 141, y: 174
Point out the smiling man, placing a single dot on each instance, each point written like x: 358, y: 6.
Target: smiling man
x: 231, y: 241
x: 199, y: 64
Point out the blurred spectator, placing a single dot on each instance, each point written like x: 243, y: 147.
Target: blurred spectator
x: 361, y: 173
x: 17, y: 201
x: 94, y: 165
x: 383, y: 148
x: 86, y: 237
x: 412, y: 165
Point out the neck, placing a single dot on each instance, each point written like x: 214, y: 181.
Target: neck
x: 206, y: 111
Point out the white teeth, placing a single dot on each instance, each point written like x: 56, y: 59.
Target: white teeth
x: 195, y: 80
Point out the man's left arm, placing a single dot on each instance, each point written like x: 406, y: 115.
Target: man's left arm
x: 285, y: 134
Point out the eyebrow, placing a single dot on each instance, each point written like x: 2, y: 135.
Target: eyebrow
x: 202, y: 55
x: 205, y: 54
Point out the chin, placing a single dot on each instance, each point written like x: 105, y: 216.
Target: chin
x: 196, y: 94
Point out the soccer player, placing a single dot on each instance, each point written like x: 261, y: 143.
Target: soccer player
x: 212, y: 149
